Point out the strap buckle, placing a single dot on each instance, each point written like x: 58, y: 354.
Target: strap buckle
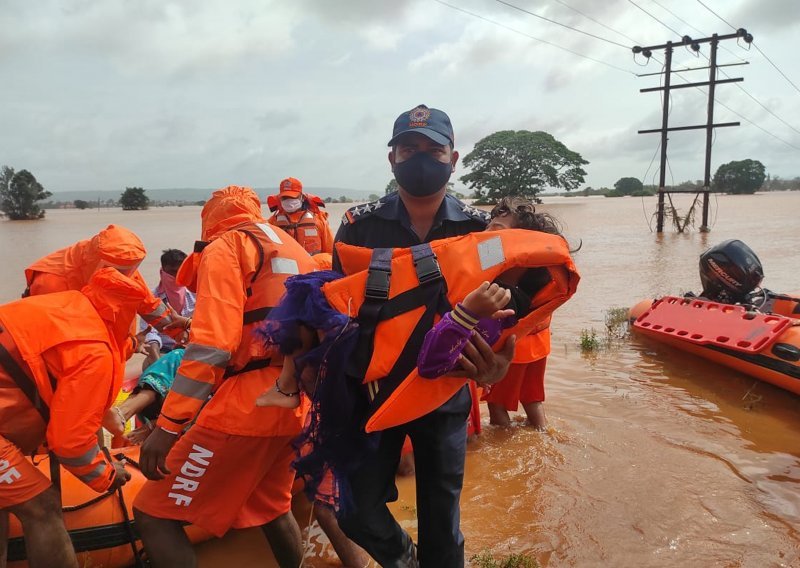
x: 428, y: 269
x: 377, y: 284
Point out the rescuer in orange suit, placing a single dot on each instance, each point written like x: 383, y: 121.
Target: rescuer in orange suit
x: 61, y: 367
x: 302, y: 216
x: 71, y: 268
x: 232, y: 468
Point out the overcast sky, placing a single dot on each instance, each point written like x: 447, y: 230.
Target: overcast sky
x: 103, y: 94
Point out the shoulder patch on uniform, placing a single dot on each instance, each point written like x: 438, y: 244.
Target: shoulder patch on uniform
x: 362, y: 211
x: 475, y: 213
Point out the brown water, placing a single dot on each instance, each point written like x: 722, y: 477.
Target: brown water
x: 655, y: 458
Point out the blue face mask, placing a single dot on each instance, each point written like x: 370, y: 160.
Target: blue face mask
x: 422, y: 174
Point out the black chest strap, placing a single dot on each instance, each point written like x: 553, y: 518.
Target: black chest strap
x: 377, y: 307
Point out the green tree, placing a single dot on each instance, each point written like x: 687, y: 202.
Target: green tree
x: 374, y: 197
x: 521, y: 163
x: 628, y: 186
x: 19, y: 193
x: 80, y: 204
x: 133, y: 199
x: 391, y: 187
x: 744, y: 176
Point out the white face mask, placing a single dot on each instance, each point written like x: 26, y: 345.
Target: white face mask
x: 292, y: 204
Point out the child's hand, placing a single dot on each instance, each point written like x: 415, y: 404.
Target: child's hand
x: 488, y: 300
x: 114, y: 421
x: 136, y: 437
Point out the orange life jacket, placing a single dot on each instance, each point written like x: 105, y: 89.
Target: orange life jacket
x: 308, y: 226
x: 27, y: 331
x: 398, y: 294
x: 209, y: 360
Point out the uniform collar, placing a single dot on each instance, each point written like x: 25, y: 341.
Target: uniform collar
x: 393, y: 209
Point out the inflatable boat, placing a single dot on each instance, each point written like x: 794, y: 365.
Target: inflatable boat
x: 763, y: 345
x: 101, y: 526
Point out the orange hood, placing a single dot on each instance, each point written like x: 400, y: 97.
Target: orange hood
x: 114, y: 244
x: 227, y: 208
x: 117, y: 299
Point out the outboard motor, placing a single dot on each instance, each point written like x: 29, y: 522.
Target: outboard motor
x: 729, y: 271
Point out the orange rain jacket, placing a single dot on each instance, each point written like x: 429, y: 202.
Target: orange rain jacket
x: 238, y: 277
x: 309, y: 226
x: 71, y: 268
x: 68, y: 344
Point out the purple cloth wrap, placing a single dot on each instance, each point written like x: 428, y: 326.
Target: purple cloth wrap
x: 446, y: 340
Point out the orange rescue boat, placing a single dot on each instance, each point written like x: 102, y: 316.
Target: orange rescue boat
x: 763, y: 345
x: 101, y: 526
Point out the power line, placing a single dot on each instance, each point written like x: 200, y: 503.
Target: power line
x: 762, y: 105
x: 656, y: 19
x: 535, y: 15
x: 796, y: 88
x: 717, y: 15
x: 702, y: 33
x: 474, y: 15
x: 599, y: 23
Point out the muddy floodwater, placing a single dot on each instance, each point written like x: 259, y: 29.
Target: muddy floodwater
x: 654, y: 458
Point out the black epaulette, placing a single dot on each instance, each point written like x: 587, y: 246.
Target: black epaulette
x: 477, y: 214
x: 362, y: 211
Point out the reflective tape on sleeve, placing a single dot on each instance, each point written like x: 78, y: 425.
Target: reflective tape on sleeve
x: 208, y: 355
x: 84, y: 459
x: 490, y: 252
x: 191, y: 388
x: 94, y: 474
x: 270, y: 232
x: 155, y: 314
x: 282, y: 265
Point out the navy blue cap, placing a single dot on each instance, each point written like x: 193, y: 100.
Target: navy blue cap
x: 432, y: 122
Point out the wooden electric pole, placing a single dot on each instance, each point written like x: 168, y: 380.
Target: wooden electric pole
x: 709, y: 126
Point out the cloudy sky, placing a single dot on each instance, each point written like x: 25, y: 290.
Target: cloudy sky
x: 101, y: 94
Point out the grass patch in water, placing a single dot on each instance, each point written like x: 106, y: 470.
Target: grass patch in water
x: 485, y: 559
x: 589, y: 341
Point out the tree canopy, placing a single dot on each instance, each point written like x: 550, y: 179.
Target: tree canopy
x: 521, y: 163
x: 390, y: 187
x: 744, y: 176
x: 133, y: 199
x: 19, y: 193
x: 628, y: 186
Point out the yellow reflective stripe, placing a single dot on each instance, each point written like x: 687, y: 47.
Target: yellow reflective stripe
x: 94, y: 474
x: 84, y: 459
x: 208, y: 355
x: 190, y: 387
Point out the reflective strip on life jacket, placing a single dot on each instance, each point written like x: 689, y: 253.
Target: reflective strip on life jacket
x: 284, y: 265
x: 270, y: 232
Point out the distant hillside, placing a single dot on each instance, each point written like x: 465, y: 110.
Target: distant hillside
x: 192, y: 194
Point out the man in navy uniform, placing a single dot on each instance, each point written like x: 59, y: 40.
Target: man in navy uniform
x: 422, y: 158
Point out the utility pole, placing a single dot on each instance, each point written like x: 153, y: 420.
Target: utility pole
x: 709, y: 126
